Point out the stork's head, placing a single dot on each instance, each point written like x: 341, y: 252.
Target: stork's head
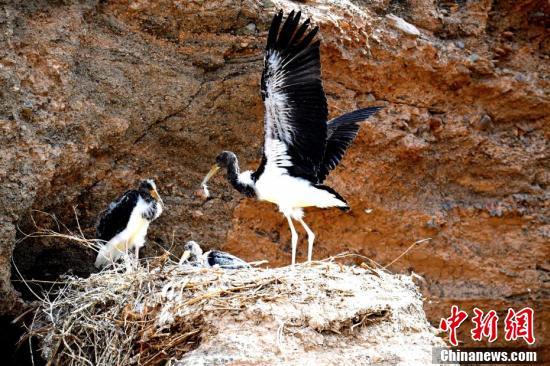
x: 191, y: 251
x: 223, y: 160
x: 148, y: 186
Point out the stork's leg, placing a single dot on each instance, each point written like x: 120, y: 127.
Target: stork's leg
x: 126, y: 254
x: 137, y: 254
x: 294, y: 239
x: 127, y: 259
x: 310, y: 239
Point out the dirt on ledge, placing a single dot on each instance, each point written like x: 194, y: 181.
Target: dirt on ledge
x: 168, y: 313
x: 97, y: 94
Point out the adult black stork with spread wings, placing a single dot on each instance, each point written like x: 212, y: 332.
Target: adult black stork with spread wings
x: 300, y: 147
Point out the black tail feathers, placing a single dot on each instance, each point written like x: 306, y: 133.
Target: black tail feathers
x: 358, y: 115
x: 335, y: 194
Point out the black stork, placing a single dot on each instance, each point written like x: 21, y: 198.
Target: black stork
x: 194, y: 255
x: 300, y: 147
x: 124, y: 224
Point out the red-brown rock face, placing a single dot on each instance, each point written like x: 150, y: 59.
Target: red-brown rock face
x: 95, y: 96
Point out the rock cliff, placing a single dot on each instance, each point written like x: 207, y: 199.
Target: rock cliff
x: 97, y: 94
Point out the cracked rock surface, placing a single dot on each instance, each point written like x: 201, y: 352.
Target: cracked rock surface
x: 95, y: 95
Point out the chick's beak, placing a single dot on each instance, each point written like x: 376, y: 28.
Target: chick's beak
x: 155, y: 195
x: 185, y: 256
x: 210, y: 174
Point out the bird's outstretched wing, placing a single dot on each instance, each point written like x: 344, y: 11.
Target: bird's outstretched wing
x: 341, y: 133
x: 295, y: 103
x: 225, y: 260
x: 115, y: 218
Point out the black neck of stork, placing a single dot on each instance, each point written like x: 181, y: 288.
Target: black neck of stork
x: 233, y: 176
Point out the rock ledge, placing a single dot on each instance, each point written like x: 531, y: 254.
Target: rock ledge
x: 322, y: 314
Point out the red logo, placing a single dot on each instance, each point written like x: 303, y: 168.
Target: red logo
x: 519, y: 325
x: 452, y: 323
x: 516, y: 325
x: 485, y: 325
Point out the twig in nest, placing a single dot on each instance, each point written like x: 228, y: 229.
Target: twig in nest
x: 78, y: 238
x: 406, y: 251
x: 157, y: 312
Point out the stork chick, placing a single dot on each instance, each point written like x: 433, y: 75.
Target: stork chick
x: 123, y: 225
x: 194, y: 255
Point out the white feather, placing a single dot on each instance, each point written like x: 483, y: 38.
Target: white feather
x: 246, y: 178
x: 132, y: 236
x: 276, y: 154
x: 277, y: 109
x: 291, y: 193
x: 159, y: 210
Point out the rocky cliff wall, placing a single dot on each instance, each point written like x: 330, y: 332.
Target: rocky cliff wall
x: 95, y: 95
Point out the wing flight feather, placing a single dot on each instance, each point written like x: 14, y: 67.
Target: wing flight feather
x: 295, y: 103
x: 342, y: 131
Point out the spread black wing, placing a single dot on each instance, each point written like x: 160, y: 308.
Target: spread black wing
x: 115, y: 218
x: 225, y: 260
x: 295, y: 103
x: 341, y: 133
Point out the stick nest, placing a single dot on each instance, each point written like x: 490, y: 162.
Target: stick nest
x: 154, y: 313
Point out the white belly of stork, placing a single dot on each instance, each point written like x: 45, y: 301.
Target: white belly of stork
x: 292, y: 194
x: 133, y: 236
